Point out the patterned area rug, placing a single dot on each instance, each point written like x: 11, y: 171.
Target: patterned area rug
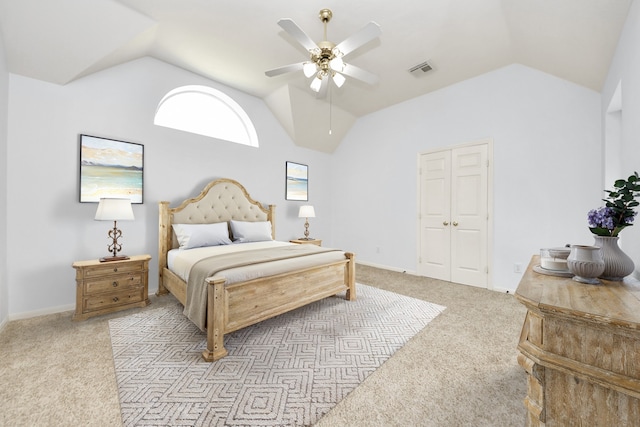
x: 285, y: 371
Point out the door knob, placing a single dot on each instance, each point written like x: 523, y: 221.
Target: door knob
x: 445, y: 223
x: 455, y: 223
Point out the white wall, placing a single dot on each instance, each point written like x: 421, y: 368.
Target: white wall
x: 546, y: 134
x: 547, y: 166
x: 625, y: 69
x: 4, y: 114
x: 49, y: 228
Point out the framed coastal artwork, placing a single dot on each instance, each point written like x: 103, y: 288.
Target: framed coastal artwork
x: 110, y: 168
x: 297, y: 186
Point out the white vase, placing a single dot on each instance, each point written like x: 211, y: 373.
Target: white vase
x: 586, y: 263
x: 617, y: 264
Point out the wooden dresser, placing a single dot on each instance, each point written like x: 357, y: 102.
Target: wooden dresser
x: 580, y: 345
x: 105, y: 287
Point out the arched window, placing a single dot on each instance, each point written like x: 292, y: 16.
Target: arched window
x: 206, y: 111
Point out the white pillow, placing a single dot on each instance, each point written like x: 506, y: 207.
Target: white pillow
x: 198, y: 235
x: 244, y: 231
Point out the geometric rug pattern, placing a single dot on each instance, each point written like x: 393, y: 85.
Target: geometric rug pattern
x: 286, y: 371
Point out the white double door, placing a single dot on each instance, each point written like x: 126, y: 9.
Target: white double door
x: 453, y: 217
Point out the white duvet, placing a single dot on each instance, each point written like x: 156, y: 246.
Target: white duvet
x: 180, y: 261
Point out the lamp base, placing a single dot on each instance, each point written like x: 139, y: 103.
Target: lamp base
x: 113, y: 258
x: 306, y: 238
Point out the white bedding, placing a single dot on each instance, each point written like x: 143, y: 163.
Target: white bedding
x: 180, y: 261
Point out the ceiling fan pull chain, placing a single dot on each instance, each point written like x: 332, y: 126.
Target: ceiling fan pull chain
x: 330, y: 111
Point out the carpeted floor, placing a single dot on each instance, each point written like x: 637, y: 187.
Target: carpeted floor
x: 461, y: 370
x: 286, y: 371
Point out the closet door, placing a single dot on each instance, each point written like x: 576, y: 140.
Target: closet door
x: 453, y: 217
x: 469, y: 220
x: 435, y: 213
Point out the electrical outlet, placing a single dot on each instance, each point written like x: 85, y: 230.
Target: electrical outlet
x: 517, y: 267
x: 377, y: 249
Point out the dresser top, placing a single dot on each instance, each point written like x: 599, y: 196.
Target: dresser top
x: 610, y: 303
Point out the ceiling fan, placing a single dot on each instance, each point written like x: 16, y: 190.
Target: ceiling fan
x: 326, y: 58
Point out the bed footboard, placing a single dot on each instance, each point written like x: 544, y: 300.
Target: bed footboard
x: 235, y: 306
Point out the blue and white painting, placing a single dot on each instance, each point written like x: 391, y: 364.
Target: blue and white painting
x: 110, y: 168
x: 297, y: 182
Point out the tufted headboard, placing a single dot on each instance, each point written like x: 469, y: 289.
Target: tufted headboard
x: 221, y: 200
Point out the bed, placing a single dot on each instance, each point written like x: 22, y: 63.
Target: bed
x: 242, y: 292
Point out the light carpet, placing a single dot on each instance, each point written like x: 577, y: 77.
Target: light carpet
x: 286, y: 371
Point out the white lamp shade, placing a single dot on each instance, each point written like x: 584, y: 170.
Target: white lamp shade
x: 316, y: 84
x: 337, y: 64
x: 338, y: 79
x: 309, y: 68
x: 306, y: 212
x: 114, y: 210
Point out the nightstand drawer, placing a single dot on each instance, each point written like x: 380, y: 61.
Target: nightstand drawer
x: 104, y: 269
x: 113, y: 283
x: 99, y: 302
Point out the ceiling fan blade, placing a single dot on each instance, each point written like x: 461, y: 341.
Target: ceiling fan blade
x: 284, y: 69
x: 296, y: 32
x: 363, y: 36
x: 359, y: 74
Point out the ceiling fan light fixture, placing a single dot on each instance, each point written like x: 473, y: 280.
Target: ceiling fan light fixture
x: 309, y: 69
x: 338, y: 79
x: 337, y: 64
x: 326, y: 57
x: 316, y: 83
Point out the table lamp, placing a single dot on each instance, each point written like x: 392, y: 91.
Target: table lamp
x: 114, y: 210
x: 306, y: 212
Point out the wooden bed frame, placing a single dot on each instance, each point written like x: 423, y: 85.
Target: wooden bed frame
x: 235, y: 306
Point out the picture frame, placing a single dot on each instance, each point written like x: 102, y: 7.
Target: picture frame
x: 110, y: 168
x: 297, y: 181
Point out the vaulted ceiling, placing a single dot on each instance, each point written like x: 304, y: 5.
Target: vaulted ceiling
x: 235, y: 42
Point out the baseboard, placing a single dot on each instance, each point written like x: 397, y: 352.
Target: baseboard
x: 503, y: 290
x: 384, y: 267
x: 43, y: 312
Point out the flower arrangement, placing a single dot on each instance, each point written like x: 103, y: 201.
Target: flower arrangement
x: 618, y: 211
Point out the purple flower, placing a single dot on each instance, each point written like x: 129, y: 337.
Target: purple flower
x: 601, y: 218
x: 629, y: 219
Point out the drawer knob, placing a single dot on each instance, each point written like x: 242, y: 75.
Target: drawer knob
x: 115, y: 299
x: 115, y: 284
x: 115, y: 270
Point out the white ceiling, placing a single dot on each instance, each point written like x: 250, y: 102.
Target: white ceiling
x: 235, y: 42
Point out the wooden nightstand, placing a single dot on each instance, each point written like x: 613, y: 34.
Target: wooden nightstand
x: 106, y: 287
x: 317, y: 242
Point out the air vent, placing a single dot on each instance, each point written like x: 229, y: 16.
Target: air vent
x: 424, y: 67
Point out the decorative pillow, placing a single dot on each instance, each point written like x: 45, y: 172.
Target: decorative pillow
x: 198, y: 235
x: 244, y: 232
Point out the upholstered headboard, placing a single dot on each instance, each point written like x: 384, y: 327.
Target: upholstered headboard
x: 221, y: 200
